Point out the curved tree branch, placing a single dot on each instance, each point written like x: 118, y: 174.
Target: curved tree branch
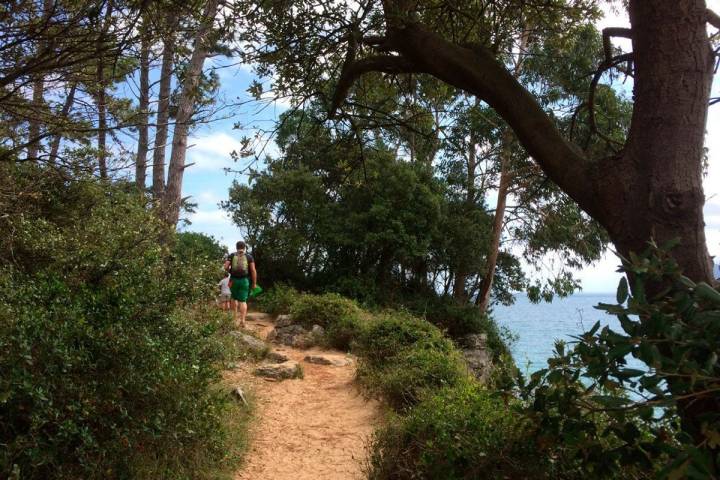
x: 627, y: 57
x: 354, y: 69
x: 480, y: 73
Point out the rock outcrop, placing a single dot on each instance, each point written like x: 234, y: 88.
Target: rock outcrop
x: 251, y: 344
x: 477, y: 355
x: 280, y: 371
x: 292, y: 335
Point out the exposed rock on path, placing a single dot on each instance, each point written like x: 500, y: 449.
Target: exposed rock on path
x: 315, y: 428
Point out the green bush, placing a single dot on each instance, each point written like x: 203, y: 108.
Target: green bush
x: 391, y: 332
x: 104, y: 373
x: 343, y: 332
x: 657, y: 418
x: 323, y: 310
x: 462, y: 432
x: 411, y: 374
x: 403, y: 357
x: 278, y: 300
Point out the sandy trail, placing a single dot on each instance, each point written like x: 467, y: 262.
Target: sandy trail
x: 314, y: 428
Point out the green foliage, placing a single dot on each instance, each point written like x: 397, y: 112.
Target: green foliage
x: 615, y: 420
x: 278, y: 300
x: 460, y: 432
x: 323, y: 310
x: 402, y: 358
x: 104, y: 372
x: 339, y: 316
x: 194, y: 245
x: 343, y: 331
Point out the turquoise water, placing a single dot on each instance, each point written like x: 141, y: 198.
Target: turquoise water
x: 537, y: 326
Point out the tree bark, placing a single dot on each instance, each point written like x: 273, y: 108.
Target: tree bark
x: 461, y: 272
x: 142, y: 148
x: 203, y: 41
x: 64, y: 114
x: 654, y: 189
x: 483, y: 298
x: 102, y: 118
x: 163, y: 113
x: 101, y: 99
x: 38, y: 84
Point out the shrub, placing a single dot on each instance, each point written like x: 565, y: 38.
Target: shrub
x: 627, y: 422
x: 343, y: 332
x: 278, y: 300
x: 104, y: 372
x: 411, y: 374
x: 323, y: 310
x: 402, y: 357
x: 461, y: 432
x: 391, y: 332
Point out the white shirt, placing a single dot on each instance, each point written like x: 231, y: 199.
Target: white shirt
x: 225, y: 286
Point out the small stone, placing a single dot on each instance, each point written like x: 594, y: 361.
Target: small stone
x: 283, y: 320
x: 281, y: 371
x: 318, y: 360
x: 249, y: 342
x: 276, y: 357
x: 233, y: 366
x: 317, y: 330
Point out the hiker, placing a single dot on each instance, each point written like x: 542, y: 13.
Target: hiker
x: 224, y: 298
x: 243, y: 278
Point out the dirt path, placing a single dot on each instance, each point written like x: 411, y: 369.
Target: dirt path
x: 313, y: 428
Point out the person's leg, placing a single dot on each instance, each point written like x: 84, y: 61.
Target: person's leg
x: 243, y: 313
x: 243, y: 289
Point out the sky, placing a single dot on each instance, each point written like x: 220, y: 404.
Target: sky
x: 207, y: 182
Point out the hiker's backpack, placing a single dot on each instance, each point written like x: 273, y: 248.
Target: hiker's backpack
x: 239, y: 265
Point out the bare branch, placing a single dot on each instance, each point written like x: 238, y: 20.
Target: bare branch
x: 607, y: 34
x: 627, y: 57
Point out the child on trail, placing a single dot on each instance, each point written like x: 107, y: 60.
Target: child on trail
x: 224, y: 298
x: 243, y: 278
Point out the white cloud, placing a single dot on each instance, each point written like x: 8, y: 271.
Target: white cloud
x: 216, y: 223
x: 212, y: 152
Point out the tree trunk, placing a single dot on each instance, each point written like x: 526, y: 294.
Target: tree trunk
x: 653, y: 190
x: 142, y: 148
x: 38, y: 84
x: 461, y: 272
x: 203, y: 41
x: 64, y: 114
x: 101, y: 95
x: 483, y: 298
x: 163, y: 113
x: 102, y: 118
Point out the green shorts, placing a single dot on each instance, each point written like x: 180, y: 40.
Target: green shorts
x: 239, y: 288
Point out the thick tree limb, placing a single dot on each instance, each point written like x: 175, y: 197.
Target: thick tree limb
x: 354, y: 69
x: 713, y: 19
x: 480, y: 73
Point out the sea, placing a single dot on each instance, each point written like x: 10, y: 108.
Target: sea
x: 536, y: 326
